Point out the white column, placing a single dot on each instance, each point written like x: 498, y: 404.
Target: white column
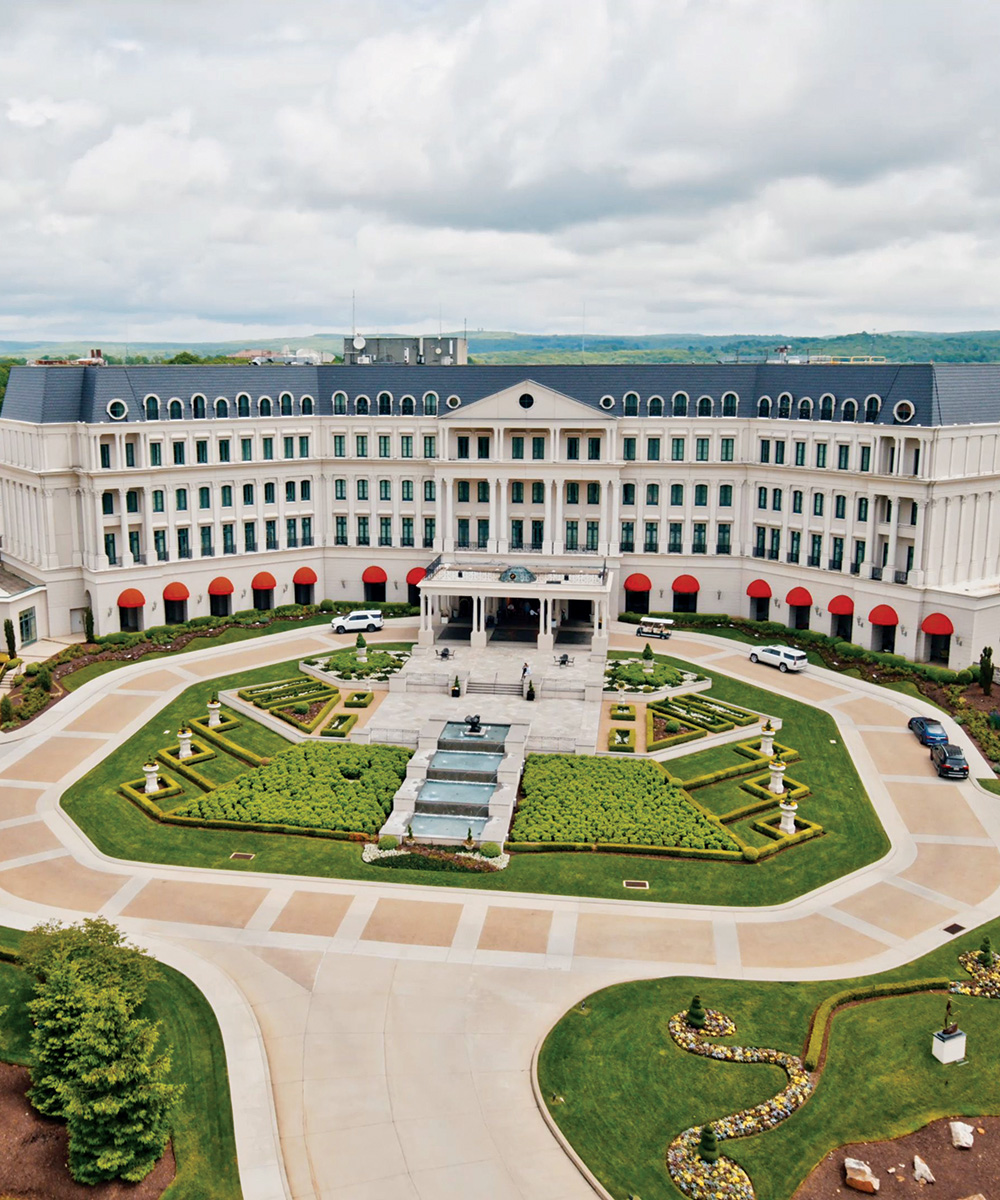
x: 478, y: 639
x: 547, y: 539
x: 503, y: 531
x: 447, y: 532
x: 611, y: 536
x: 558, y: 535
x: 545, y: 638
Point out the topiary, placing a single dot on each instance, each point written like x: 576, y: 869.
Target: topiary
x: 326, y: 606
x: 986, y: 952
x: 708, y: 1145
x: 647, y: 653
x: 490, y: 850
x: 388, y: 842
x: 44, y: 680
x: 696, y: 1014
x: 6, y: 710
x: 751, y: 853
x: 360, y: 642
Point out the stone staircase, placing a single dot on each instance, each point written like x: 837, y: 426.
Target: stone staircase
x: 485, y: 687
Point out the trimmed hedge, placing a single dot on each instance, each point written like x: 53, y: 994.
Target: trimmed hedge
x: 340, y: 725
x: 622, y: 712
x: 621, y: 747
x: 625, y: 848
x: 359, y: 699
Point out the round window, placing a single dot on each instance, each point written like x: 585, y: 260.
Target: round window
x: 453, y: 402
x: 526, y: 400
x: 117, y: 410
x: 903, y: 412
x: 607, y: 402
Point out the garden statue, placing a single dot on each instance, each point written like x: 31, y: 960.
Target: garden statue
x: 474, y: 723
x: 950, y: 1024
x: 696, y: 1014
x: 708, y: 1145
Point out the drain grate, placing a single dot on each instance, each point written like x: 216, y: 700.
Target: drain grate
x: 640, y: 884
x: 242, y: 856
x: 953, y: 929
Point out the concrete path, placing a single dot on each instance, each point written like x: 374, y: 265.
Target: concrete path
x: 394, y: 1025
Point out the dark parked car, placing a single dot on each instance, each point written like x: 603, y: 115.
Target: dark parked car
x: 949, y: 761
x: 928, y: 731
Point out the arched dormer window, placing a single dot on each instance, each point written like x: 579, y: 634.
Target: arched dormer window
x: 826, y: 408
x: 285, y: 403
x: 805, y: 410
x: 222, y: 407
x: 407, y: 406
x: 850, y: 411
x: 764, y: 406
x: 704, y: 406
x: 176, y: 410
x: 872, y: 406
x: 430, y: 404
x: 243, y: 405
x: 306, y: 406
x: 784, y: 406
x: 631, y: 404
x: 265, y: 406
x: 339, y: 403
x: 384, y: 404
x: 654, y: 406
x: 198, y: 407
x: 680, y: 404
x: 152, y: 408
x: 361, y: 406
x: 729, y: 403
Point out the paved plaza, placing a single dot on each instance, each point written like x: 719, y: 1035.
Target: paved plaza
x: 380, y: 1036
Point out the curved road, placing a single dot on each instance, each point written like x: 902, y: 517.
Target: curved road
x: 380, y: 1036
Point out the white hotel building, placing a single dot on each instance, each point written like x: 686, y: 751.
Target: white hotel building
x: 861, y: 500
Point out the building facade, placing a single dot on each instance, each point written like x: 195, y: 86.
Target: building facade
x: 857, y: 500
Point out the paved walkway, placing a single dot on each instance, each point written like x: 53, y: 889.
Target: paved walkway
x: 394, y: 1025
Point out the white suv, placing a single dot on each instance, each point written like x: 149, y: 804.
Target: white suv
x: 781, y: 657
x: 358, y: 620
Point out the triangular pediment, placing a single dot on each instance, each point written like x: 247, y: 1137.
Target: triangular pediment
x: 547, y: 405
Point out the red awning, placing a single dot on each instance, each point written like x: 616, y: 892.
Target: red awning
x: 841, y: 606
x: 414, y: 577
x: 175, y: 591
x: 638, y: 583
x: 686, y: 585
x: 798, y: 597
x: 883, y: 614
x: 938, y: 623
x: 131, y: 598
x: 373, y: 575
x: 220, y: 586
x: 304, y: 575
x: 759, y: 590
x: 263, y: 581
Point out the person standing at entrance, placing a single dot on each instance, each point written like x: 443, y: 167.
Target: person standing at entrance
x: 525, y: 672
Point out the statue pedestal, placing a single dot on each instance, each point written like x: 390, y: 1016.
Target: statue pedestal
x: 184, y: 744
x: 767, y: 742
x: 948, y: 1047
x: 788, y: 811
x: 214, y: 709
x: 776, y: 785
x: 151, y: 770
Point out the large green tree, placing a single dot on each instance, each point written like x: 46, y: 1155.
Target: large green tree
x: 56, y: 1012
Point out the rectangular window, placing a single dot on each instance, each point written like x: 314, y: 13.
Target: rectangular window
x: 572, y: 451
x: 246, y: 449
x: 837, y: 553
x: 106, y: 462
x: 774, y: 549
x: 361, y: 445
x: 593, y: 493
x: 406, y: 536
x: 818, y: 504
x: 779, y: 453
x: 840, y: 507
x: 291, y: 532
x: 816, y: 553
x: 384, y: 445
x: 800, y: 454
x: 201, y: 452
x: 362, y: 489
x: 406, y: 489
x: 229, y: 539
x: 517, y: 534
x: 288, y: 447
x: 843, y: 457
x: 158, y: 501
x: 463, y: 533
x: 723, y: 539
x: 866, y: 458
x: 628, y: 537
x: 572, y: 493
x: 862, y: 508
x: 206, y: 541
x: 224, y: 445
x: 821, y: 454
x: 181, y: 499
x: 290, y: 491
x: 765, y: 450
x: 462, y: 491
x: 269, y: 493
x: 385, y: 531
x: 593, y: 533
x: 676, y: 494
x: 268, y: 448
x: 517, y: 447
x: 271, y: 535
x: 340, y: 489
x: 108, y: 503
x: 701, y: 495
x: 759, y: 538
x: 572, y: 535
x: 430, y: 532
x: 701, y: 446
x: 384, y: 489
x: 483, y: 532
x: 483, y: 491
x: 796, y: 502
x: 651, y: 540
x: 628, y: 449
x: 155, y: 454
x: 160, y: 544
x: 517, y: 492
x: 130, y: 454
x: 776, y: 499
x: 303, y: 447
x: 653, y: 449
x: 727, y: 449
x: 178, y: 449
x: 204, y: 498
x: 406, y: 446
x: 226, y: 496
x: 794, y: 546
x: 110, y: 549
x: 538, y: 493
x: 250, y: 537
x: 305, y: 490
x: 676, y: 449
x: 430, y: 490
x: 248, y: 493
x: 362, y: 531
x: 482, y: 447
x: 652, y: 493
x: 726, y: 495
x: 339, y: 446
x: 430, y: 446
x: 593, y: 449
x: 762, y: 497
x: 340, y: 531
x: 628, y: 493
x: 538, y: 448
x: 462, y: 447
x: 860, y: 548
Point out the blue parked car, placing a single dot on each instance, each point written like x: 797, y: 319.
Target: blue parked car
x: 929, y: 732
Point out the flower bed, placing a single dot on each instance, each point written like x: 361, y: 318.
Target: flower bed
x: 378, y: 664
x: 629, y: 675
x: 339, y: 725
x: 621, y: 741
x: 359, y: 699
x: 663, y: 731
x: 622, y: 712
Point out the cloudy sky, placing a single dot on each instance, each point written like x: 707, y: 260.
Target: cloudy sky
x: 216, y: 169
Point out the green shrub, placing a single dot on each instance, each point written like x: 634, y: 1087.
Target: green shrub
x: 388, y: 842
x: 326, y: 606
x: 621, y: 741
x: 300, y: 709
x: 31, y: 669
x: 751, y: 853
x: 490, y: 850
x: 359, y: 699
x: 965, y: 676
x: 6, y: 710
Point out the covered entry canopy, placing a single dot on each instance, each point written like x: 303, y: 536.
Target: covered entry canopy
x: 938, y: 623
x: 798, y: 597
x: 760, y: 589
x: 176, y: 591
x: 373, y: 575
x: 638, y: 583
x: 883, y: 614
x: 685, y: 584
x: 305, y: 575
x: 131, y: 598
x: 841, y: 606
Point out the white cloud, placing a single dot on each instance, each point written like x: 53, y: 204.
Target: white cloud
x: 68, y: 115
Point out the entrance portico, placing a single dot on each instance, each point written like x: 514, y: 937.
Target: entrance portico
x: 496, y: 592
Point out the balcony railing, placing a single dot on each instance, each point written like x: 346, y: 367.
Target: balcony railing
x: 900, y: 576
x: 140, y: 559
x: 163, y: 556
x: 406, y: 541
x: 774, y: 555
x: 385, y: 541
x: 184, y: 552
x: 699, y: 548
x: 672, y: 547
x: 758, y: 552
x: 723, y: 548
x: 114, y: 562
x: 292, y: 543
x: 876, y: 573
x: 627, y: 547
x: 306, y: 540
x: 340, y: 539
x: 792, y: 556
x: 428, y: 543
x: 813, y: 560
x: 250, y: 547
x: 207, y: 550
x: 654, y: 547
x: 855, y: 568
x: 229, y: 549
x: 272, y: 543
x: 836, y: 564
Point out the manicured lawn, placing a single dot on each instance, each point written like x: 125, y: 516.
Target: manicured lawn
x: 853, y: 838
x: 991, y: 785
x: 629, y: 1090
x: 203, y: 1137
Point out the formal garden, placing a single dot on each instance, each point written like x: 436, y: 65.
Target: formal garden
x: 742, y: 1090
x: 128, y: 1079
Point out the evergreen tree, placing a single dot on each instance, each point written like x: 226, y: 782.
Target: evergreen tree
x: 708, y: 1145
x: 56, y: 1012
x: 8, y: 632
x: 986, y: 952
x: 6, y: 710
x: 98, y: 951
x: 696, y: 1014
x: 88, y: 624
x: 647, y: 653
x: 986, y: 670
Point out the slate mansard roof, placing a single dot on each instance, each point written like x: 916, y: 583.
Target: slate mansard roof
x: 943, y: 394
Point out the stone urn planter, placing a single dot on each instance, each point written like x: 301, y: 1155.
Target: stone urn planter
x: 788, y: 810
x: 151, y: 771
x: 184, y: 743
x: 214, y: 710
x: 767, y: 739
x: 777, y: 784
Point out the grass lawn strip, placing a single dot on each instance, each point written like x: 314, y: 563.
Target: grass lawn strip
x: 203, y: 1136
